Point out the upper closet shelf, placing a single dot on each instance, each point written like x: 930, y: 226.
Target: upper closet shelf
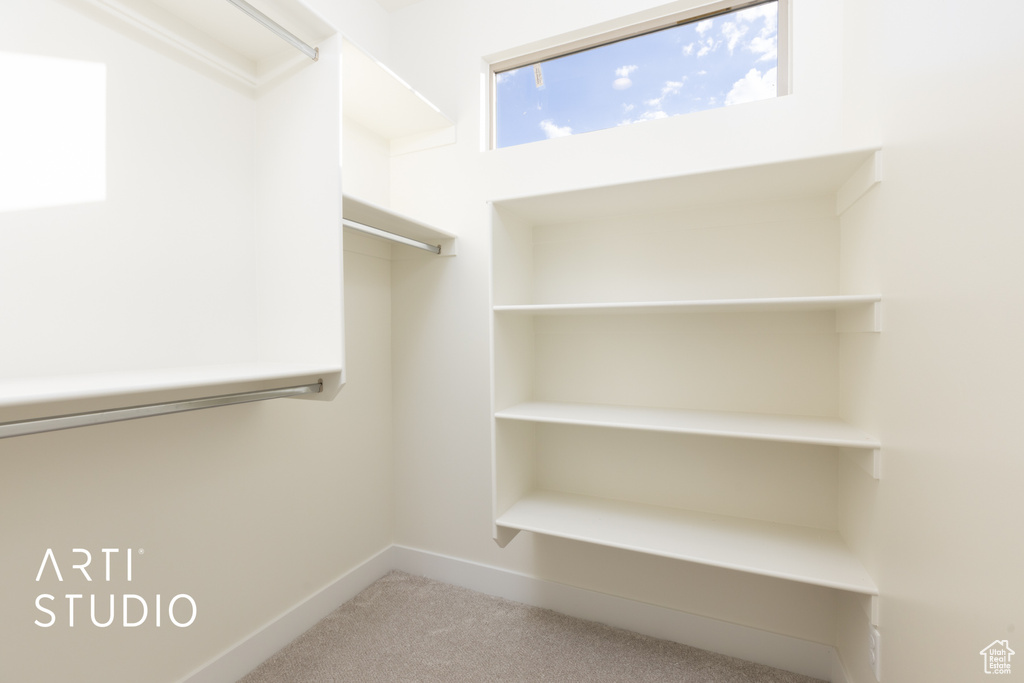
x: 394, y: 223
x: 822, y: 431
x: 382, y: 102
x: 780, y: 304
x: 844, y: 176
x: 222, y: 36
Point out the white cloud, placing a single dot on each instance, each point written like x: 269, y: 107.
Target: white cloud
x: 704, y: 26
x: 688, y: 49
x: 766, y: 46
x: 623, y: 81
x: 766, y: 42
x: 553, y: 131
x: 670, y: 88
x: 702, y: 72
x: 733, y: 33
x: 769, y: 12
x: 628, y: 107
x: 505, y: 75
x: 646, y: 116
x: 752, y: 87
x: 707, y: 45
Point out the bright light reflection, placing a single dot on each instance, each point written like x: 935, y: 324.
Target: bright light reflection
x: 53, y: 134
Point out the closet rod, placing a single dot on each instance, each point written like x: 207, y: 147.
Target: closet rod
x: 434, y: 248
x: 53, y: 424
x: 286, y: 35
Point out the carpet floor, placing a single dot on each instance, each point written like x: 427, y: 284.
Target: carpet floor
x: 407, y: 628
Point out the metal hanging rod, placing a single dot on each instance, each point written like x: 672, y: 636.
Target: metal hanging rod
x: 53, y: 424
x: 286, y: 35
x: 434, y: 248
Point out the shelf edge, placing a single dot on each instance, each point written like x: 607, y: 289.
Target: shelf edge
x: 804, y: 303
x: 868, y: 444
x: 867, y: 587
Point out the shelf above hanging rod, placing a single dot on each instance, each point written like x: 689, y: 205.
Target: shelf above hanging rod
x: 376, y: 232
x: 59, y: 422
x: 285, y: 35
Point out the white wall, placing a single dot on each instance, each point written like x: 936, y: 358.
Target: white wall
x: 941, y: 385
x: 48, y: 250
x: 940, y: 89
x: 366, y: 164
x: 249, y: 509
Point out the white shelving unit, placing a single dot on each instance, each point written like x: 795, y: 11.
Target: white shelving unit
x: 212, y: 264
x: 381, y: 101
x: 385, y: 117
x: 687, y: 324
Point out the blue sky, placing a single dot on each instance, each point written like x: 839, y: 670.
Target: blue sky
x: 725, y: 60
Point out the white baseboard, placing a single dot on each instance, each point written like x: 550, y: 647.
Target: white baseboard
x: 784, y: 652
x: 839, y: 673
x: 249, y: 653
x: 754, y: 645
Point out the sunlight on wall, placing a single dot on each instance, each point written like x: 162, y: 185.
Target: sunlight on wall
x: 52, y: 132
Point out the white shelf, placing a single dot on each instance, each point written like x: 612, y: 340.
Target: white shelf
x: 809, y: 430
x: 813, y: 556
x: 567, y: 264
x: 382, y: 102
x: 377, y: 216
x: 788, y: 179
x: 806, y: 303
x: 222, y: 36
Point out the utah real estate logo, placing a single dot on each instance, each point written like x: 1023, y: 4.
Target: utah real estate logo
x: 997, y: 657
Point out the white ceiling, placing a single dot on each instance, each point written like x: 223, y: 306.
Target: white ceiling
x: 391, y: 5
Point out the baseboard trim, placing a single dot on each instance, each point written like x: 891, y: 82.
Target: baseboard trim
x: 752, y: 644
x: 839, y: 672
x: 250, y: 652
x: 755, y: 645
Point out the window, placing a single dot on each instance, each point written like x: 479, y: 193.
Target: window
x: 680, y: 65
x: 53, y: 131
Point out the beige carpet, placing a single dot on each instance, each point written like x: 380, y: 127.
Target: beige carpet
x: 407, y: 628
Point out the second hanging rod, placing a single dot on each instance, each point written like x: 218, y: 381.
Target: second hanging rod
x: 377, y: 232
x: 286, y: 35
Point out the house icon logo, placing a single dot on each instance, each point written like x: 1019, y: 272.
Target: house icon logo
x: 997, y: 657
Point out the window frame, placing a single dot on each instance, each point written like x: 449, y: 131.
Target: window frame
x: 633, y: 30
